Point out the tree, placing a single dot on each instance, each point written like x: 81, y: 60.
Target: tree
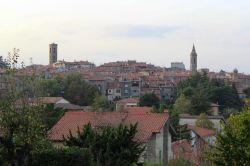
x: 149, y: 100
x: 182, y: 132
x: 229, y: 111
x: 195, y: 81
x: 109, y: 146
x: 201, y: 91
x: 179, y: 162
x: 204, y: 122
x: 183, y: 105
x: 21, y: 126
x: 161, y: 109
x: 195, y: 90
x: 226, y: 97
x: 247, y: 104
x: 77, y: 91
x: 247, y: 92
x: 100, y: 103
x: 200, y: 102
x: 50, y: 87
x: 3, y: 64
x: 233, y: 142
x: 51, y: 115
x: 61, y: 157
x: 188, y: 91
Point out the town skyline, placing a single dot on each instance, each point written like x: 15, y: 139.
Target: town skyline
x: 158, y: 32
x: 186, y: 65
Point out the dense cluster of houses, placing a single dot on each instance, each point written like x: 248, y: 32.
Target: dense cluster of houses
x: 124, y: 82
x: 126, y: 79
x: 154, y: 129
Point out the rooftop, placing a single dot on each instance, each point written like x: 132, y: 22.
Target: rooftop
x: 147, y: 123
x: 202, y: 132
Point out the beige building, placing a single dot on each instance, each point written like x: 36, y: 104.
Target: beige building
x: 191, y: 119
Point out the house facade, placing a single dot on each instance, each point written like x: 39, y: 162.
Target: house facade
x: 191, y: 119
x: 127, y: 102
x: 153, y: 130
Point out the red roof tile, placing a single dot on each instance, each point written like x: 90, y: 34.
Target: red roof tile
x: 202, y: 132
x: 147, y: 123
x: 138, y: 110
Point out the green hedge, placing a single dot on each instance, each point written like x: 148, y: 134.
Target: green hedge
x: 61, y: 157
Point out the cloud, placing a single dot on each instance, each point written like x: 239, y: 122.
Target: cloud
x: 142, y: 31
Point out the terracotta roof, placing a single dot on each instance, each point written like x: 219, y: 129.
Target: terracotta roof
x: 76, y: 62
x: 202, y: 132
x: 182, y: 149
x: 147, y: 123
x: 138, y: 110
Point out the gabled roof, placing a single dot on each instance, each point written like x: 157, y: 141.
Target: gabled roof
x: 147, y: 123
x: 138, y: 110
x: 202, y: 132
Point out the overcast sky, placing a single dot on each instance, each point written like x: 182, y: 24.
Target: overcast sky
x: 154, y: 31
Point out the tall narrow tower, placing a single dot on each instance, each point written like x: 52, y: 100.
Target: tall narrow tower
x: 193, y: 60
x: 52, y: 53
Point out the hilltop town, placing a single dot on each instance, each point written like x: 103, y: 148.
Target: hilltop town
x: 170, y: 115
x: 125, y: 79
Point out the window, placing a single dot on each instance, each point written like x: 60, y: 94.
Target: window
x: 125, y: 91
x: 135, y: 84
x: 118, y: 91
x: 126, y: 85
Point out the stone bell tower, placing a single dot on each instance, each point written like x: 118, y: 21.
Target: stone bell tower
x: 193, y: 60
x: 52, y: 53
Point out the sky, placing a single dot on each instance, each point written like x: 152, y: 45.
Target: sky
x: 152, y: 31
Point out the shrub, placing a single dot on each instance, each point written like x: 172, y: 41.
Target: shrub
x: 61, y: 157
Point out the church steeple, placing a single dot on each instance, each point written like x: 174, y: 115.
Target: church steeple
x: 193, y: 50
x: 193, y: 60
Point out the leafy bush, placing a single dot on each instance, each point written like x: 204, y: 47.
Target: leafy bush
x: 61, y: 157
x: 149, y: 100
x: 204, y: 122
x: 233, y: 142
x: 51, y: 115
x: 109, y: 146
x: 179, y: 162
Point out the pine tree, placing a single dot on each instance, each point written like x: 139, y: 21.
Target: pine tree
x: 109, y: 146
